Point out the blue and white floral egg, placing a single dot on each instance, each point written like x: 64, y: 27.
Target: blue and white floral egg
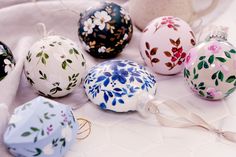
x: 41, y: 127
x: 7, y: 61
x: 105, y: 30
x: 116, y: 85
x: 54, y: 66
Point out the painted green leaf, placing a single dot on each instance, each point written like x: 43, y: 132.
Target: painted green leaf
x: 38, y: 152
x: 71, y: 51
x: 201, y: 84
x: 75, y: 51
x: 34, y: 129
x: 35, y: 139
x: 214, y: 75
x: 195, y: 76
x: 202, y: 88
x: 232, y: 51
x: 221, y: 76
x: 51, y: 45
x: 231, y: 90
x: 200, y: 65
x: 230, y: 79
x: 69, y: 61
x: 216, y: 82
x: 194, y: 71
x: 206, y: 65
x: 42, y: 132
x: 39, y: 54
x: 186, y: 73
x: 221, y: 59
x: 40, y: 72
x: 83, y: 63
x: 202, y: 57
x: 64, y: 64
x: 227, y: 54
x: 46, y: 56
x: 211, y: 59
x: 27, y: 133
x: 43, y: 61
x: 41, y: 121
x: 201, y: 93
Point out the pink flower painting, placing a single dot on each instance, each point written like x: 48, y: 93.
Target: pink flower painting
x: 214, y: 48
x: 213, y: 92
x: 190, y: 59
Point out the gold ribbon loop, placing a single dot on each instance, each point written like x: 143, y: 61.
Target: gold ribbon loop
x: 84, y: 128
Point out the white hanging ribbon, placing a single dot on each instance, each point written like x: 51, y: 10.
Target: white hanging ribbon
x: 186, y: 118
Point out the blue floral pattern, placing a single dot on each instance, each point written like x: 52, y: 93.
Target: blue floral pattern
x: 111, y: 84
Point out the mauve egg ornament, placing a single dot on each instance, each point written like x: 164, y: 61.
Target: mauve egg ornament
x: 105, y: 30
x: 164, y: 44
x: 210, y: 67
x: 7, y: 61
x: 54, y: 66
x: 42, y: 128
x: 117, y: 85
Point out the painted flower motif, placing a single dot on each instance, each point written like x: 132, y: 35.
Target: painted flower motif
x: 49, y: 129
x: 48, y: 149
x: 14, y: 119
x: 213, y: 92
x: 190, y: 59
x: 120, y: 75
x: 86, y: 47
x: 67, y: 133
x: 8, y: 65
x: 88, y: 26
x: 126, y: 15
x: 102, y: 49
x: 214, y: 48
x: 222, y: 67
x: 125, y: 36
x: 169, y: 22
x: 101, y: 18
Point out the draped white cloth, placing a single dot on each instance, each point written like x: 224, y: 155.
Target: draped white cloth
x: 113, y: 134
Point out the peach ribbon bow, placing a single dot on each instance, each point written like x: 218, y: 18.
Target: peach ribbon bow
x: 186, y: 118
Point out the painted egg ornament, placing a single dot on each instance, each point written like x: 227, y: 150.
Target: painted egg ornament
x: 210, y: 67
x: 105, y: 30
x: 54, y: 66
x: 164, y: 44
x: 7, y: 61
x: 41, y: 127
x: 117, y: 85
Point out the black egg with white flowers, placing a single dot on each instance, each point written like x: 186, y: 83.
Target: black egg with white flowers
x: 7, y: 61
x: 105, y: 30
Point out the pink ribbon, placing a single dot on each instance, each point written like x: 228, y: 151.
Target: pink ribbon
x: 186, y: 118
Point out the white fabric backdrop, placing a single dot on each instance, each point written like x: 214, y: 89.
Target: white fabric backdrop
x: 114, y: 134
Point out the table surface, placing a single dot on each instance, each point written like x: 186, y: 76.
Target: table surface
x: 126, y: 134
